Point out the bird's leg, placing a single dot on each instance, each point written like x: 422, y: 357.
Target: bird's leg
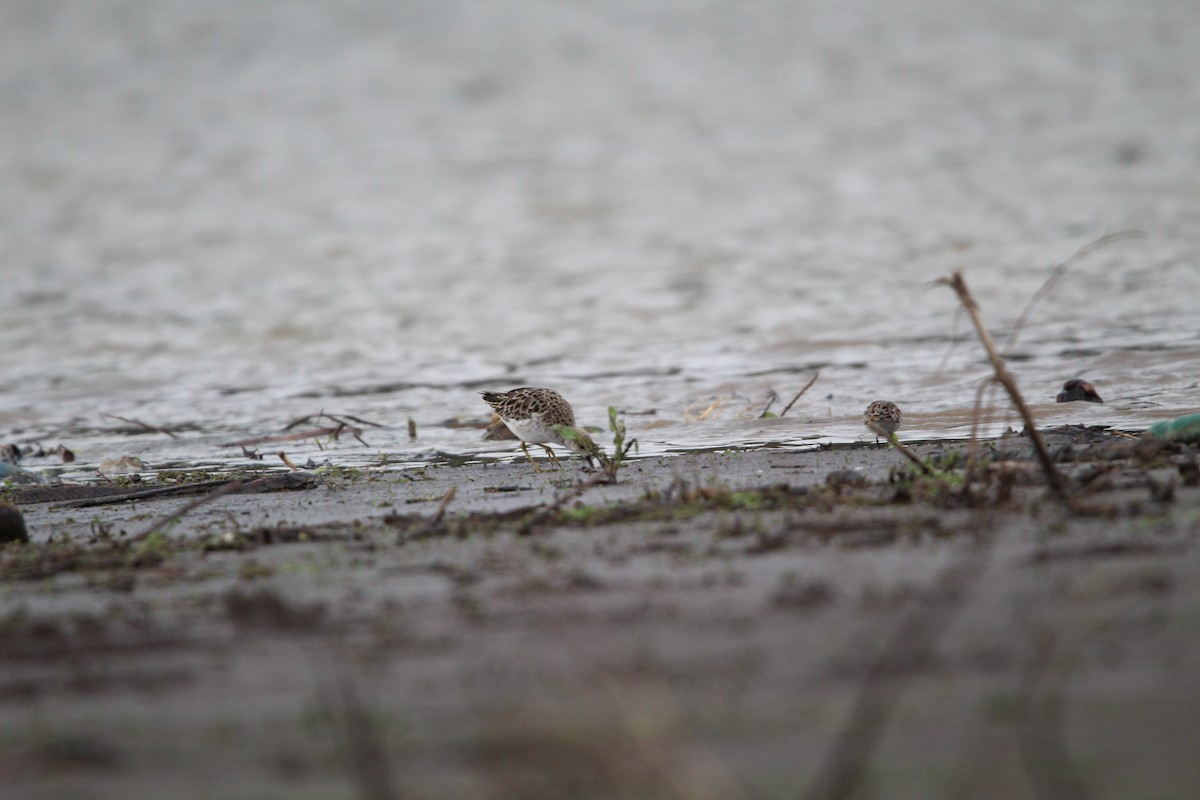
x: 553, y: 457
x: 536, y: 468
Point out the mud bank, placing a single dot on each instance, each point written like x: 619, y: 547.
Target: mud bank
x: 735, y: 624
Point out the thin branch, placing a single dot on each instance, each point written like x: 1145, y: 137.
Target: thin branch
x: 770, y: 402
x: 954, y: 337
x: 1059, y: 272
x: 807, y: 386
x: 145, y: 494
x: 1005, y: 379
x: 441, y: 512
x: 283, y: 481
x: 894, y: 442
x: 140, y: 424
x: 976, y: 421
x: 339, y: 418
x: 360, y: 420
x: 228, y: 488
x: 311, y: 433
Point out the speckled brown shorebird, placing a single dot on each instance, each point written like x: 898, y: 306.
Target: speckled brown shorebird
x: 882, y: 415
x: 541, y: 416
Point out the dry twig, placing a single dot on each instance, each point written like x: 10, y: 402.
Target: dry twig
x: 310, y: 433
x: 1005, y: 379
x: 140, y: 424
x: 905, y: 451
x: 228, y: 488
x: 283, y: 481
x: 807, y: 386
x: 338, y: 418
x: 1059, y: 272
x: 441, y: 512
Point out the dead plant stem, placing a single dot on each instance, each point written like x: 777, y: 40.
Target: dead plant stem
x: 1005, y: 379
x: 807, y: 386
x: 228, y: 488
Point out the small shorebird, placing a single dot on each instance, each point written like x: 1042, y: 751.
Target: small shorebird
x: 882, y: 415
x: 541, y: 416
x: 1075, y: 389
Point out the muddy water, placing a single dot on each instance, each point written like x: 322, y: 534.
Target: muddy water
x: 216, y: 217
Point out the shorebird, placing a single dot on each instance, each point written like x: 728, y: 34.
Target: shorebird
x: 883, y: 416
x: 1076, y: 389
x: 541, y: 417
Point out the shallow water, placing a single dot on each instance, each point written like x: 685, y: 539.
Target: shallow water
x: 218, y: 217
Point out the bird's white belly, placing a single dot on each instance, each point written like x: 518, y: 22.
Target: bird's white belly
x: 531, y: 430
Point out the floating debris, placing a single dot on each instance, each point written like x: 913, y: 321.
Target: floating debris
x: 1181, y: 429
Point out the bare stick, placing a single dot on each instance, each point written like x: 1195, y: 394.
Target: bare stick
x: 894, y: 442
x: 310, y: 433
x: 144, y: 494
x: 305, y: 418
x: 140, y: 424
x: 770, y: 402
x: 441, y: 512
x: 954, y: 337
x: 360, y: 420
x: 807, y: 386
x: 228, y: 488
x: 1061, y: 270
x: 973, y: 446
x: 268, y: 483
x: 1005, y: 379
x: 333, y: 417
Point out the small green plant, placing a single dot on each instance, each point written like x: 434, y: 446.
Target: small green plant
x: 577, y: 513
x: 608, y: 466
x: 337, y: 476
x: 151, y: 551
x: 252, y: 570
x: 621, y: 447
x: 750, y: 500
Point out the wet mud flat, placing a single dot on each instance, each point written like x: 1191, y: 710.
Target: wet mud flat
x: 761, y: 623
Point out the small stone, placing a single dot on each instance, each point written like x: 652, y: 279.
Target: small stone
x: 12, y: 524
